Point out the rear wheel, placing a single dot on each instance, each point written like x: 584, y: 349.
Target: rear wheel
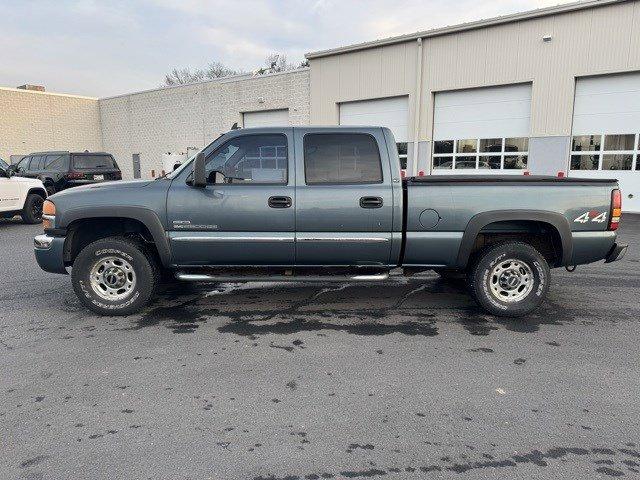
x: 510, y: 279
x: 115, y: 276
x: 32, y: 211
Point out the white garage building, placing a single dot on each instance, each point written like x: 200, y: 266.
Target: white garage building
x: 554, y: 90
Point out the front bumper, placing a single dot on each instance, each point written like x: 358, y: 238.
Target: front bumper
x: 49, y: 252
x: 616, y: 253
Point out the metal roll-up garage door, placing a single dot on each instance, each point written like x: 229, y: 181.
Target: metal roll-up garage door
x: 606, y: 126
x: 482, y: 130
x: 384, y: 112
x: 266, y: 118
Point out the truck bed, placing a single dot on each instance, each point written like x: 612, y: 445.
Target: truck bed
x: 441, y: 221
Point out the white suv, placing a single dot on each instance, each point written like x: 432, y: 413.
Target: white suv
x: 20, y: 196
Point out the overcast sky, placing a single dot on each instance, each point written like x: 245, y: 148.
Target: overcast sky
x: 102, y: 48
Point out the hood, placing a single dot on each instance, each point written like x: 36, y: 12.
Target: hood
x: 27, y: 181
x: 104, y: 186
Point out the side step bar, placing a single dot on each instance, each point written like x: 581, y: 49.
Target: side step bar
x: 200, y: 277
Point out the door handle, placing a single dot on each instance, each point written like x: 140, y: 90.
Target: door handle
x: 279, y: 202
x: 371, y: 202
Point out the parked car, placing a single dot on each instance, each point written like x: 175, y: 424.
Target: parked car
x: 61, y: 170
x: 20, y: 196
x: 324, y: 204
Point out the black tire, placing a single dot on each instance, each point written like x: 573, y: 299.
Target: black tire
x: 132, y: 255
x: 32, y: 210
x: 485, y: 279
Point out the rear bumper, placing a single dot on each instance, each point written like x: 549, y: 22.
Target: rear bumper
x: 617, y: 252
x: 49, y: 252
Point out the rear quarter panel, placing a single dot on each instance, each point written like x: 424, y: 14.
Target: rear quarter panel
x: 438, y: 215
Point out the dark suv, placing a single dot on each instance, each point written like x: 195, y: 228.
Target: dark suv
x: 60, y: 170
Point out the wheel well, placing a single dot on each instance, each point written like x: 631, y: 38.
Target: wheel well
x: 541, y: 235
x: 38, y: 191
x: 81, y: 233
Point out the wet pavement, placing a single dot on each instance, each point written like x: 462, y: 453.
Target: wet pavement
x: 401, y: 379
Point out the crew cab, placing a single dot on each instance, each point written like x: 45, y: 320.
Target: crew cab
x: 20, y: 196
x: 324, y: 204
x: 61, y: 170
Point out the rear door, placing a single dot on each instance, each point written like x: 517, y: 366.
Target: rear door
x: 344, y: 197
x: 247, y: 220
x: 33, y: 167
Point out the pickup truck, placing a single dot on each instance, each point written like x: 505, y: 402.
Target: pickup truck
x: 324, y: 204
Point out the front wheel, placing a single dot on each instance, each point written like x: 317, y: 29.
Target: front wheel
x: 510, y: 279
x: 115, y: 276
x: 32, y: 211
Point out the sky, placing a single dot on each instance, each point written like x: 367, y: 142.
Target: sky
x: 104, y: 48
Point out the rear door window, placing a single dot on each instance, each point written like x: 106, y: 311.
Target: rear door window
x: 347, y: 158
x: 36, y: 163
x: 56, y: 162
x: 93, y: 162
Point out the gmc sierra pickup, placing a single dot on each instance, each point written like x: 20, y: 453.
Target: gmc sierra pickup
x: 324, y: 204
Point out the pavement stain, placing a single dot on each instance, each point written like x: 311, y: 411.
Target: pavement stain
x: 257, y: 328
x: 357, y: 446
x: 295, y: 317
x: 31, y: 462
x: 446, y: 464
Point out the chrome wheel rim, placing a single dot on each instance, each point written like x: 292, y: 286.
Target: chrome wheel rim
x: 511, y: 280
x: 112, y: 278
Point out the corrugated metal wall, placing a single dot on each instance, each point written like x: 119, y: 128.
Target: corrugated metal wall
x: 587, y: 42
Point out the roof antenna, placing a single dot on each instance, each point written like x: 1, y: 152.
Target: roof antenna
x: 235, y: 126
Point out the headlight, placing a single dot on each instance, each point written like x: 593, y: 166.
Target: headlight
x: 48, y: 214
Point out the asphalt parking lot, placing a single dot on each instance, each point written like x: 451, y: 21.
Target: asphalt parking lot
x: 395, y: 380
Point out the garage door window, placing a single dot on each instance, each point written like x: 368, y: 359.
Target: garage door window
x: 605, y: 152
x: 481, y: 154
x: 402, y: 154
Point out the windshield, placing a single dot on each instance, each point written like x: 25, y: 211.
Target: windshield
x: 4, y: 165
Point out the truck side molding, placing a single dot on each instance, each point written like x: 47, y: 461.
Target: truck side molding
x: 481, y: 220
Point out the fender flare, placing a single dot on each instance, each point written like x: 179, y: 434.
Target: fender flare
x: 481, y: 220
x: 147, y: 217
x: 38, y: 190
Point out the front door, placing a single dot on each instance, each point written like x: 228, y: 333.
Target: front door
x: 10, y: 193
x: 344, y: 198
x: 245, y: 215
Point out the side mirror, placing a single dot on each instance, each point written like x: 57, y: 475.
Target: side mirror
x: 199, y: 173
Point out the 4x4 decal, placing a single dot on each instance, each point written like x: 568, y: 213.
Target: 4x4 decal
x: 593, y: 216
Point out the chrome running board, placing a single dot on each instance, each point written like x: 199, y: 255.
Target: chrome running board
x: 200, y: 277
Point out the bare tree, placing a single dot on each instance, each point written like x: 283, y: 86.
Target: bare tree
x: 219, y: 70
x: 277, y: 62
x: 183, y: 76
x: 274, y: 63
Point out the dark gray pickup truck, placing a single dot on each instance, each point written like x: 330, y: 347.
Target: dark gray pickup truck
x: 324, y: 204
